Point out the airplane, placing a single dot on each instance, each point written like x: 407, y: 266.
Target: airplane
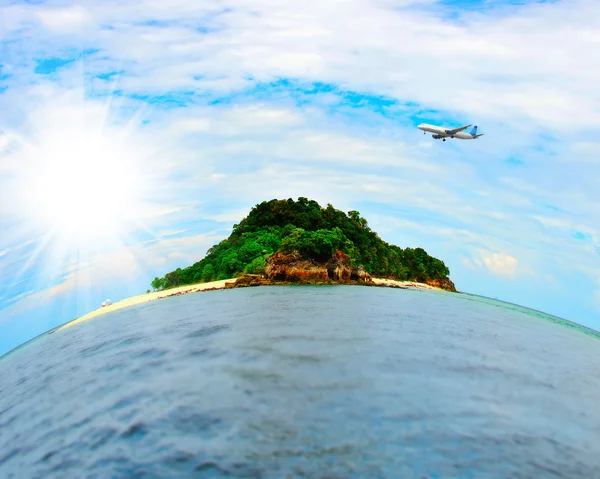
x: 439, y: 132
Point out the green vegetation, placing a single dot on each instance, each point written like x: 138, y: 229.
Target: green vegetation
x: 316, y: 233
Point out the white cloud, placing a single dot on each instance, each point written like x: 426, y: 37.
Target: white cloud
x: 230, y: 216
x: 500, y: 264
x: 366, y: 46
x: 238, y: 120
x: 63, y: 20
x: 585, y: 152
x: 214, y: 161
x: 170, y: 233
x: 5, y: 142
x: 380, y: 47
x: 125, y: 272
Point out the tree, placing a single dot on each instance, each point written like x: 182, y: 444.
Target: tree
x: 173, y: 278
x: 197, y: 276
x: 257, y: 266
x: 158, y: 283
x: 249, y: 251
x: 208, y: 273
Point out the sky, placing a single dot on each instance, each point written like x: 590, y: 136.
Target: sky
x: 134, y: 135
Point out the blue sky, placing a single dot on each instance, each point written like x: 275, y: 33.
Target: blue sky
x: 134, y: 135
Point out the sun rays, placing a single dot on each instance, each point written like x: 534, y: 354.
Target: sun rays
x: 85, y: 188
x: 82, y: 185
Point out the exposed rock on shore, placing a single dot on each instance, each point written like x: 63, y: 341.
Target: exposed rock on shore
x: 247, y: 280
x: 444, y: 283
x: 292, y: 268
x: 340, y: 269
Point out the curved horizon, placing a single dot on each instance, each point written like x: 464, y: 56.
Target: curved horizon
x: 578, y: 326
x: 134, y: 136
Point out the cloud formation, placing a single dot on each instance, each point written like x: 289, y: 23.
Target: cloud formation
x: 215, y: 106
x: 497, y: 263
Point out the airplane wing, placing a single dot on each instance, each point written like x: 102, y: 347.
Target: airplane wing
x: 456, y: 130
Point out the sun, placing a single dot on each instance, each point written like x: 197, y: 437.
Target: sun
x: 83, y: 184
x: 84, y: 188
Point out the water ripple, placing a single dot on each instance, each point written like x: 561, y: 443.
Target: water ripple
x: 311, y: 382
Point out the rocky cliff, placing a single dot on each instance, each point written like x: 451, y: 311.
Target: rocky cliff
x: 444, y: 283
x: 294, y: 269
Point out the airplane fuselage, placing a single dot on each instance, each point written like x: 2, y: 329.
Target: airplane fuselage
x: 441, y: 132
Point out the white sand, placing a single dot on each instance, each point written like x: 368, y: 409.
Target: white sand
x: 402, y: 284
x: 142, y: 298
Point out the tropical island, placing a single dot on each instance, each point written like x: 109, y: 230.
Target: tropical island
x: 296, y: 242
x: 300, y: 242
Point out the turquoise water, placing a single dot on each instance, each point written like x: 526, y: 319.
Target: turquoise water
x: 294, y: 382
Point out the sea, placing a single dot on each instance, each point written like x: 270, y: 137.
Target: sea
x: 306, y: 382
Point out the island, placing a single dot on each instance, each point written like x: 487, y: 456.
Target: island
x: 285, y: 242
x: 300, y: 242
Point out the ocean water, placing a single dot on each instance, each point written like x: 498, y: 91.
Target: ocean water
x: 305, y: 382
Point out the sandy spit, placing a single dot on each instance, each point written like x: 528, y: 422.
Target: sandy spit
x: 142, y: 298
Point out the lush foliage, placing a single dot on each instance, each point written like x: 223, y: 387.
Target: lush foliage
x: 314, y: 232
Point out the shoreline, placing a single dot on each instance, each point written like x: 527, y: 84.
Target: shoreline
x: 144, y: 298
x: 211, y: 286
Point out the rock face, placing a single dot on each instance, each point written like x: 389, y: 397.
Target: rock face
x: 293, y: 268
x: 247, y: 280
x: 340, y: 269
x: 444, y: 283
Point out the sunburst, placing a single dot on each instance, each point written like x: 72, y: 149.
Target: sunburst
x: 83, y: 182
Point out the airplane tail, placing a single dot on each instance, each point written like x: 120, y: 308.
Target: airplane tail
x: 473, y: 132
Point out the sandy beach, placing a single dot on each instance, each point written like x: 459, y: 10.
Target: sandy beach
x: 193, y: 288
x: 142, y: 298
x: 403, y: 284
